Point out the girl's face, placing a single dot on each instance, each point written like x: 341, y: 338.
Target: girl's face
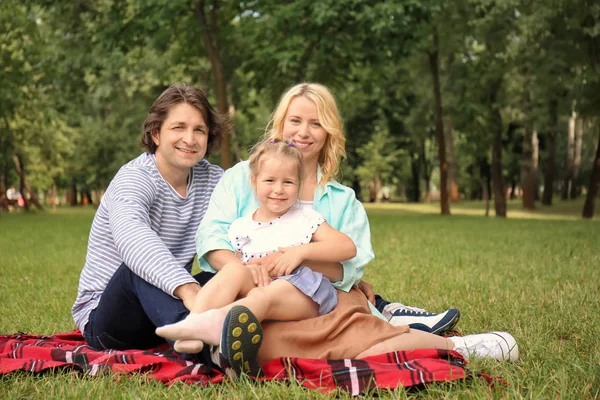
x: 182, y: 140
x: 302, y: 126
x: 276, y: 186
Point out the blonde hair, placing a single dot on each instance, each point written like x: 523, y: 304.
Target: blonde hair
x: 275, y: 147
x: 334, y: 148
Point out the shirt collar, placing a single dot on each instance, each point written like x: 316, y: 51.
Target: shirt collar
x: 321, y: 191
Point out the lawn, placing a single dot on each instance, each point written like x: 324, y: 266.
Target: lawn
x: 535, y: 274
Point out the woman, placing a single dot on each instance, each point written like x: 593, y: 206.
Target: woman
x: 307, y: 116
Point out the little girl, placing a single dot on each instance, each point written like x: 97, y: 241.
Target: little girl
x: 281, y: 223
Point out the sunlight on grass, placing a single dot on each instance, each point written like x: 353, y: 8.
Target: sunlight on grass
x: 561, y: 210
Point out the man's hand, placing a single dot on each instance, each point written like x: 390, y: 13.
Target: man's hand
x: 260, y: 275
x: 291, y: 258
x: 367, y: 289
x: 187, y: 293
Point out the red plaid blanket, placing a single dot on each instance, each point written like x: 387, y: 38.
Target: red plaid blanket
x: 36, y: 353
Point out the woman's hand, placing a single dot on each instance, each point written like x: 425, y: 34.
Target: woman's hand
x: 290, y: 259
x: 267, y: 261
x: 260, y: 275
x: 367, y: 289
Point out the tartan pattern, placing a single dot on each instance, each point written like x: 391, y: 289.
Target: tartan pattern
x: 385, y: 371
x: 36, y: 353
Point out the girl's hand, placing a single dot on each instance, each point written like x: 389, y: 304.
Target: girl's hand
x: 267, y: 261
x: 291, y: 258
x: 260, y: 275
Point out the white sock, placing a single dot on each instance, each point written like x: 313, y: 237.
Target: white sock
x: 190, y: 346
x: 206, y: 327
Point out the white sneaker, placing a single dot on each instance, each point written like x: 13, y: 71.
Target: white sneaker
x: 497, y: 345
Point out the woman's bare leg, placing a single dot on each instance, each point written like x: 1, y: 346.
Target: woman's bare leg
x: 412, y: 340
x: 496, y: 345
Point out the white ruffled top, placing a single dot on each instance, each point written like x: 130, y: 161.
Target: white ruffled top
x: 257, y: 239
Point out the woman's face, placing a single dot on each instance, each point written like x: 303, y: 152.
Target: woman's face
x: 302, y: 126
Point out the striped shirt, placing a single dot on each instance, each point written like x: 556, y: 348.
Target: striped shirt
x: 143, y: 222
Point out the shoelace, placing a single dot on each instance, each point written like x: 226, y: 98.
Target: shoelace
x: 394, y: 307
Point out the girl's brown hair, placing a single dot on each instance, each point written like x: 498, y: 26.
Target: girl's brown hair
x: 275, y: 147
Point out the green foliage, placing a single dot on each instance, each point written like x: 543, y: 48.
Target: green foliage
x: 78, y: 77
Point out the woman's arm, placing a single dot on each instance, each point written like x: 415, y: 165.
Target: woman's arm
x: 334, y: 271
x: 218, y: 258
x: 348, y: 216
x: 232, y: 198
x: 328, y: 245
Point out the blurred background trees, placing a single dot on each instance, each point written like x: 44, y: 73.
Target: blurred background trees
x: 442, y: 100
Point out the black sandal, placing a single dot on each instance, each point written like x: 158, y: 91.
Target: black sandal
x: 241, y: 340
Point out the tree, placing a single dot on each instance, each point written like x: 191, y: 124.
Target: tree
x: 576, y: 158
x: 589, y: 206
x: 439, y: 122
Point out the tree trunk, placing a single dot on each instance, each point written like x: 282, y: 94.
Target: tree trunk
x: 588, y: 207
x: 415, y: 168
x: 73, y: 195
x: 485, y: 183
x: 19, y: 167
x: 236, y: 145
x: 427, y: 170
x: 535, y: 161
x: 3, y: 184
x: 568, y: 179
x: 576, y: 158
x: 439, y: 124
x: 356, y: 187
x: 24, y: 186
x: 497, y: 174
x: 513, y: 189
x: 53, y: 196
x: 449, y: 138
x: 527, y: 173
x: 485, y: 194
x: 550, y: 164
x: 210, y: 37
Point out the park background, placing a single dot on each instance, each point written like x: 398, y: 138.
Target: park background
x: 451, y: 107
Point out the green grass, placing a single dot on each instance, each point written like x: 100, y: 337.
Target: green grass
x: 536, y: 275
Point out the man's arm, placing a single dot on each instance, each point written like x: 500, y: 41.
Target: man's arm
x: 128, y: 203
x: 187, y: 293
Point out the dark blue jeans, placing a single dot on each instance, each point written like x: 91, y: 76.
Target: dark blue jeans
x: 129, y: 311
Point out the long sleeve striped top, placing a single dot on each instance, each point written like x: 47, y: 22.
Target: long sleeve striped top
x: 143, y: 222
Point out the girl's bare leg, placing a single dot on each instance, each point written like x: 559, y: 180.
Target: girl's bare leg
x: 232, y: 281
x: 278, y: 301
